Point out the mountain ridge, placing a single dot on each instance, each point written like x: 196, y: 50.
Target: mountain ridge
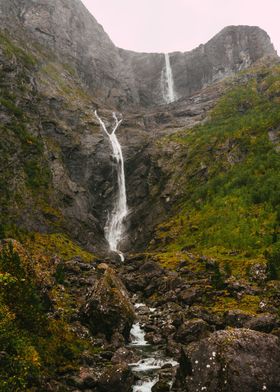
x: 131, y: 79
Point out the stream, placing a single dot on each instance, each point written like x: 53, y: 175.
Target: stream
x: 152, y: 358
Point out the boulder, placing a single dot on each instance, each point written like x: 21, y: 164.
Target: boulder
x: 124, y: 355
x: 263, y: 322
x: 115, y: 379
x: 237, y: 318
x: 233, y: 360
x: 190, y: 295
x: 109, y: 309
x: 165, y: 378
x: 192, y: 330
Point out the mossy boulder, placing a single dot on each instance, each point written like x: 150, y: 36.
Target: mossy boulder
x: 109, y: 309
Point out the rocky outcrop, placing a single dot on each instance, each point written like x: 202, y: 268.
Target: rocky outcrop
x: 125, y: 78
x: 108, y: 309
x: 232, y: 360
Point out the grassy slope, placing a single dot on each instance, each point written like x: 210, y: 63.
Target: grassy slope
x: 231, y: 207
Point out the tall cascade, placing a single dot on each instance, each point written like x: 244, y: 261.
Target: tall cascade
x: 168, y: 84
x: 114, y: 229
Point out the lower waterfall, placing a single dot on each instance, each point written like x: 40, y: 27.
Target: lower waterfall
x: 114, y: 229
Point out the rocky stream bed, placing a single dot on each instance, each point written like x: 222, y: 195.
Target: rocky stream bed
x: 151, y: 331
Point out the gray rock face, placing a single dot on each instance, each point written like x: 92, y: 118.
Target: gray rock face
x: 232, y: 361
x: 125, y: 78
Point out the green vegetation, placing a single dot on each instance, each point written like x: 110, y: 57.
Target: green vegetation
x: 55, y: 244
x: 248, y: 304
x: 273, y: 262
x: 13, y: 50
x: 31, y: 345
x: 231, y: 208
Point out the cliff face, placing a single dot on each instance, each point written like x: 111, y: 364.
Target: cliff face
x: 124, y: 78
x: 235, y: 48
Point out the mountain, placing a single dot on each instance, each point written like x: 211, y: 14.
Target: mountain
x: 131, y: 79
x: 202, y: 234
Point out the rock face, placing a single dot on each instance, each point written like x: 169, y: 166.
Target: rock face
x: 232, y: 361
x: 125, y: 78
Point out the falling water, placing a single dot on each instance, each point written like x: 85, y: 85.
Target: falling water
x: 114, y: 229
x: 152, y: 358
x: 168, y: 85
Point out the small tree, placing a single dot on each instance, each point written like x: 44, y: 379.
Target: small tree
x: 217, y: 277
x: 273, y: 263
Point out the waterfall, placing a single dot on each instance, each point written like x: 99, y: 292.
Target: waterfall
x: 168, y: 82
x: 114, y: 229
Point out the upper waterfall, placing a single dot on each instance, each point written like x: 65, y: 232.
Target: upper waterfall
x: 114, y: 229
x: 168, y: 86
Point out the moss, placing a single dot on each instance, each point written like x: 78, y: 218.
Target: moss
x: 248, y: 304
x: 55, y: 244
x: 172, y: 259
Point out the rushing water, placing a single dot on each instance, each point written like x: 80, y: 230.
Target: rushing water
x: 138, y: 336
x: 152, y: 359
x: 115, y: 228
x: 168, y: 82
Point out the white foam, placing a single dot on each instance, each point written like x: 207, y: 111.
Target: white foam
x: 145, y: 386
x: 140, y: 305
x: 137, y: 336
x: 147, y: 364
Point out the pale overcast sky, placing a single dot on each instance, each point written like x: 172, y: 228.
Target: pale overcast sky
x: 170, y: 25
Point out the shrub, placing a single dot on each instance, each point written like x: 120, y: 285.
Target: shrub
x: 20, y: 293
x: 273, y: 263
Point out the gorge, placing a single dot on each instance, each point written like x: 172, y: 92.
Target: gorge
x: 161, y: 222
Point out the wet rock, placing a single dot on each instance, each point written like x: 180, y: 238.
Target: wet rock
x: 87, y: 378
x: 189, y: 296
x: 237, y: 287
x: 161, y: 386
x: 124, y: 355
x: 109, y: 309
x: 154, y: 338
x: 192, y: 330
x: 165, y: 379
x: 117, y: 340
x: 115, y: 379
x: 237, y: 318
x: 231, y: 361
x: 173, y: 348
